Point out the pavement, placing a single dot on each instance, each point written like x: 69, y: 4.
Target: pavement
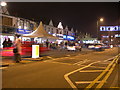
x: 9, y: 60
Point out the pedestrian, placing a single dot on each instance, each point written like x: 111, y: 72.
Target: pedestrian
x: 17, y: 49
x: 9, y: 42
x: 47, y: 43
x: 5, y: 43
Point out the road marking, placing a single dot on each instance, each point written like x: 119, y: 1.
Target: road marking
x: 71, y: 58
x: 105, y: 63
x: 85, y: 82
x: 67, y: 78
x: 109, y: 59
x: 3, y: 68
x: 106, y: 77
x: 49, y: 57
x: 98, y: 67
x: 68, y: 55
x: 91, y: 71
x: 79, y: 63
x: 114, y: 87
x: 91, y: 84
x: 62, y: 63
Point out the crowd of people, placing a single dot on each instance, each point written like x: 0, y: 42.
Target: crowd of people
x: 62, y: 45
x: 7, y: 43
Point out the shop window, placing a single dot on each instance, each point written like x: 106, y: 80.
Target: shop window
x: 7, y: 21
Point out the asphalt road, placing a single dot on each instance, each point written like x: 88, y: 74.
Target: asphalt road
x: 77, y: 70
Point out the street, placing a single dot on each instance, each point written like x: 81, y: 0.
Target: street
x: 86, y: 69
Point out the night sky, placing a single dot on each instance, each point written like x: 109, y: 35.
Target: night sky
x: 82, y: 16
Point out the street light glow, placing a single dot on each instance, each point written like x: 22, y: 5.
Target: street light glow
x: 101, y: 19
x: 3, y: 3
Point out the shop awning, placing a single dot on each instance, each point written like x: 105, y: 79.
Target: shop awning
x: 40, y: 32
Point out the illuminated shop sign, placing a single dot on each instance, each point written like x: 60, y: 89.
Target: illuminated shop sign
x: 105, y: 36
x: 109, y: 28
x: 68, y: 37
x: 117, y: 35
x: 23, y: 31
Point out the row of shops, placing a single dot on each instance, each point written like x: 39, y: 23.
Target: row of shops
x: 9, y: 33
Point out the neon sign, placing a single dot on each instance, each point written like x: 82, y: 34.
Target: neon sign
x: 68, y: 37
x: 23, y: 31
x: 109, y: 28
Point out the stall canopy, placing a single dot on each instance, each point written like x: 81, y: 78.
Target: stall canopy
x: 40, y: 32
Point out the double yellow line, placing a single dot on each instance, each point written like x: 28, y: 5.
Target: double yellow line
x: 107, y: 71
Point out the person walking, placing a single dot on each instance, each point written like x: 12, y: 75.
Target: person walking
x: 5, y: 43
x: 9, y: 42
x: 17, y: 49
x: 47, y: 43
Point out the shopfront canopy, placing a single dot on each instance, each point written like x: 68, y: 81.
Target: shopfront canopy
x: 40, y: 32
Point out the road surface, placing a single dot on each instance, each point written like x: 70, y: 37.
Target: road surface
x: 83, y: 70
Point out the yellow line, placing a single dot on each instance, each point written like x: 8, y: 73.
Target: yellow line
x: 98, y: 67
x: 85, y: 82
x: 69, y: 81
x: 90, y: 85
x: 106, y: 77
x: 3, y: 67
x: 91, y: 71
x: 114, y: 87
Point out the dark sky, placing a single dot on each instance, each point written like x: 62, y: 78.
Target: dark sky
x: 79, y: 15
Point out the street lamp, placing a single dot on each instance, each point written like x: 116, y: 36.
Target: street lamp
x: 3, y: 8
x: 3, y: 3
x: 100, y: 20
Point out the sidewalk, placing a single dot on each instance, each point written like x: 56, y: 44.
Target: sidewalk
x: 6, y: 61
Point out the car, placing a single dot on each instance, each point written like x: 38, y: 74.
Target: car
x: 73, y: 48
x: 105, y: 46
x: 97, y: 47
x: 91, y: 46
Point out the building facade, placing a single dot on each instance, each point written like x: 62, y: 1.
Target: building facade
x: 11, y: 25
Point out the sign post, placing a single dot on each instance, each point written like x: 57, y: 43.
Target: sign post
x: 35, y: 51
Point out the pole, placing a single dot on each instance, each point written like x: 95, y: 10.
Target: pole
x: 97, y: 31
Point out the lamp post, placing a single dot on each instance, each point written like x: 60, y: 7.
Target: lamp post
x: 100, y: 20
